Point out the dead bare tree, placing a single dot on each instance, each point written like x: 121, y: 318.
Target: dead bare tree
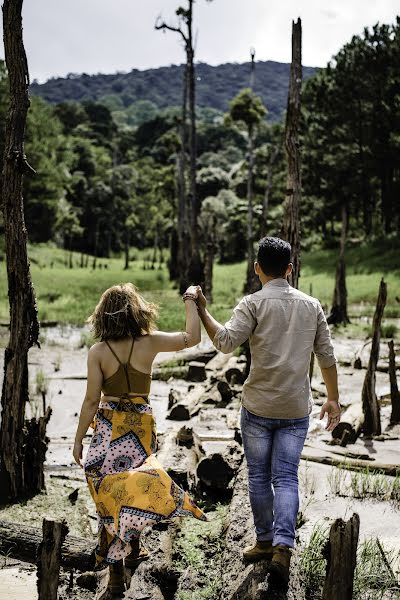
x: 339, y: 303
x: 291, y: 222
x: 372, y: 419
x: 22, y: 443
x: 195, y: 273
x: 49, y: 559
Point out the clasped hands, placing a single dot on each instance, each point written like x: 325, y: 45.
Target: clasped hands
x: 194, y: 292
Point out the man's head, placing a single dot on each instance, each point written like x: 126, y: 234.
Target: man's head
x: 273, y: 257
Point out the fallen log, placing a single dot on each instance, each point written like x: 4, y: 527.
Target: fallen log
x: 341, y: 554
x: 350, y: 425
x: 217, y: 363
x: 22, y: 542
x: 352, y: 463
x: 49, y: 559
x: 217, y: 470
x: 341, y: 452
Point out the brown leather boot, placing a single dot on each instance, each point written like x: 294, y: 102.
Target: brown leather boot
x: 137, y: 555
x: 116, y: 582
x: 262, y: 550
x: 279, y: 567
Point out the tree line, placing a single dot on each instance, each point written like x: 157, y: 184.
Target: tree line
x: 101, y: 188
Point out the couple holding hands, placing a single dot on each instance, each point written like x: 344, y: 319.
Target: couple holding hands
x: 129, y: 486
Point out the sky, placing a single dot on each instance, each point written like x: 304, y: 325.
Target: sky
x: 105, y: 36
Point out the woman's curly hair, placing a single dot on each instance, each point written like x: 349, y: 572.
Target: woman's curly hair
x: 122, y: 312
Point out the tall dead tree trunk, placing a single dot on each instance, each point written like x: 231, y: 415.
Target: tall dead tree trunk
x: 210, y: 247
x: 189, y: 205
x: 372, y: 420
x: 252, y: 282
x: 339, y: 302
x: 291, y: 223
x: 196, y: 265
x: 22, y: 444
x: 394, y: 389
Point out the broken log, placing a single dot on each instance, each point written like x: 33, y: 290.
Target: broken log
x: 234, y: 370
x: 179, y: 462
x: 353, y: 464
x: 217, y: 470
x: 188, y: 406
x: 394, y: 389
x: 350, y: 425
x: 22, y: 542
x: 341, y: 553
x: 372, y: 418
x: 49, y: 559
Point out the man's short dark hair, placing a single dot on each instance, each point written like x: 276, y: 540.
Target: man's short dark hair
x: 273, y: 256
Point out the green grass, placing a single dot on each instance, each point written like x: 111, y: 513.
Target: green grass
x: 69, y: 295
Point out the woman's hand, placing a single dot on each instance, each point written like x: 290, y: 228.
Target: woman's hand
x: 77, y: 453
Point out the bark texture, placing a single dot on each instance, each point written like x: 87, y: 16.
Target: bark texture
x: 372, y: 419
x: 17, y: 477
x: 291, y: 224
x: 49, y: 559
x: 341, y: 556
x: 394, y: 389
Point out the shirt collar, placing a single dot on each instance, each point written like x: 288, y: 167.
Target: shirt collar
x: 278, y: 282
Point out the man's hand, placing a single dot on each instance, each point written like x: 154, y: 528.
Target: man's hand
x: 77, y: 453
x: 201, y: 299
x: 332, y: 409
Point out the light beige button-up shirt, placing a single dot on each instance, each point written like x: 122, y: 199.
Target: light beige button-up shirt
x: 283, y: 326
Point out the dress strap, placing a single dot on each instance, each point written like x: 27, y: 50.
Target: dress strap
x: 113, y: 352
x: 130, y: 353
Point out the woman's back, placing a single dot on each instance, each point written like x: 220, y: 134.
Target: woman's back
x: 120, y: 376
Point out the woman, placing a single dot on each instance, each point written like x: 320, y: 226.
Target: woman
x: 130, y: 488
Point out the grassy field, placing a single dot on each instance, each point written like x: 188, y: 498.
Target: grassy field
x: 69, y: 295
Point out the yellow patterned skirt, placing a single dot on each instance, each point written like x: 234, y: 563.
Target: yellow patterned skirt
x: 129, y: 486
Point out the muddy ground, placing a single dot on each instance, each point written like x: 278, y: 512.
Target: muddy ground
x: 59, y: 368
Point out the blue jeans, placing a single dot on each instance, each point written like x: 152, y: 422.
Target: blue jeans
x: 272, y: 448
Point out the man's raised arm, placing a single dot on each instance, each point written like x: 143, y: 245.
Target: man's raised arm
x: 235, y: 332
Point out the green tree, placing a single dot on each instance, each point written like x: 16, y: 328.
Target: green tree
x: 247, y: 111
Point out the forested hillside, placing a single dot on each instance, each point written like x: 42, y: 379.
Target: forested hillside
x: 138, y: 95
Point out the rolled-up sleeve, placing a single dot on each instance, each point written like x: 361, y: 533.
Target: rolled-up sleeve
x: 238, y: 329
x: 323, y: 347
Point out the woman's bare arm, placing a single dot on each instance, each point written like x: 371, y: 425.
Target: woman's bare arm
x: 90, y: 402
x: 168, y: 342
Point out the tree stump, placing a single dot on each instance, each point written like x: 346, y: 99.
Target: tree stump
x: 340, y: 552
x: 234, y: 371
x: 197, y: 371
x: 394, y: 389
x: 372, y: 422
x: 217, y: 470
x: 49, y: 559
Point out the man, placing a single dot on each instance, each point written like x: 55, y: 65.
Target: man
x: 283, y: 326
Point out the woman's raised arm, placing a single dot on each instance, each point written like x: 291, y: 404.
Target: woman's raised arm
x: 168, y: 342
